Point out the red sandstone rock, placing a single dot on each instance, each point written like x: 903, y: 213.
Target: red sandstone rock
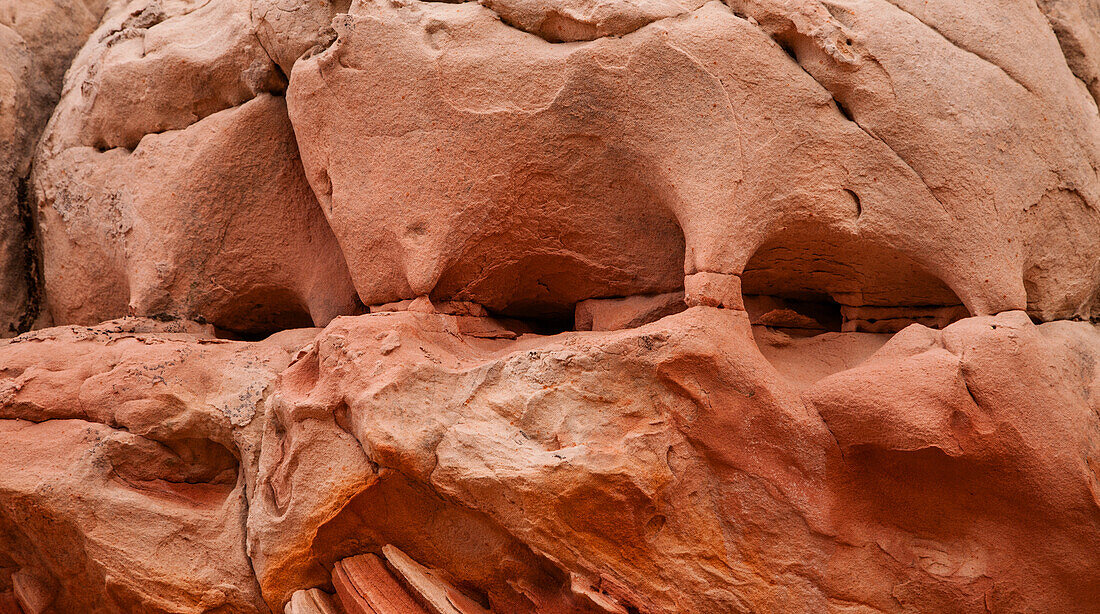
x: 365, y: 586
x: 196, y: 208
x: 772, y: 219
x: 38, y: 38
x: 8, y: 605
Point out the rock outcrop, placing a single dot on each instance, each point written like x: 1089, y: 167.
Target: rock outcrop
x: 549, y: 306
x: 183, y: 197
x: 38, y: 38
x: 129, y: 453
x: 826, y: 163
x: 665, y: 468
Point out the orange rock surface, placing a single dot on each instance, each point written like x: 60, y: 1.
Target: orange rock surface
x: 549, y: 306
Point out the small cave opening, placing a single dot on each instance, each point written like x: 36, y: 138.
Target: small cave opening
x: 800, y: 314
x: 199, y: 470
x: 548, y: 324
x: 820, y: 303
x: 579, y: 220
x: 257, y: 313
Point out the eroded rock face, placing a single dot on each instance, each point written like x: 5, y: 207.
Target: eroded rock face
x: 128, y: 454
x: 685, y: 465
x: 185, y: 196
x: 629, y: 307
x: 37, y: 40
x: 852, y: 171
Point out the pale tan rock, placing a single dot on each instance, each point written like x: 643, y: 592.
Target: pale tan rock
x: 441, y: 597
x: 311, y: 601
x: 628, y: 312
x: 709, y: 289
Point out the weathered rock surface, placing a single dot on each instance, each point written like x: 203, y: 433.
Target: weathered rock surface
x: 1076, y: 23
x: 678, y: 466
x: 128, y: 455
x: 631, y: 306
x: 184, y: 197
x: 37, y: 40
x: 854, y: 171
x: 675, y: 469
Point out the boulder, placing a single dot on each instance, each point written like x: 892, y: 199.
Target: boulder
x: 184, y: 203
x: 38, y: 38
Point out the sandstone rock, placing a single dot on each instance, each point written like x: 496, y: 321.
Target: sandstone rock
x: 581, y: 20
x: 311, y: 601
x: 629, y: 312
x: 128, y: 455
x: 467, y: 136
x: 209, y: 215
x: 977, y: 424
x: 441, y: 597
x: 32, y: 595
x: 156, y: 66
x: 1076, y: 23
x: 1006, y: 138
x: 289, y: 29
x: 894, y: 319
x: 364, y: 586
x: 37, y: 40
x: 8, y: 604
x: 589, y: 456
x: 664, y: 306
x: 713, y: 290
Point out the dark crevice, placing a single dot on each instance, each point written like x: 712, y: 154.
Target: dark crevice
x: 231, y: 335
x: 800, y: 314
x: 844, y: 110
x: 858, y: 202
x: 789, y: 50
x: 33, y: 305
x: 540, y: 325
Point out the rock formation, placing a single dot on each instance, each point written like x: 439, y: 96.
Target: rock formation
x: 549, y: 306
x: 38, y: 38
